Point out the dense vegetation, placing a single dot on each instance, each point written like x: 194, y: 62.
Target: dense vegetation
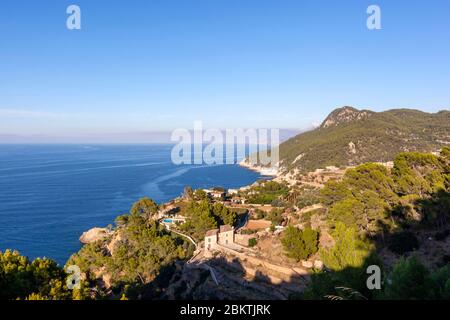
x: 371, y: 198
x: 204, y: 215
x: 306, y: 196
x: 410, y: 279
x: 373, y: 208
x: 266, y: 192
x: 40, y: 279
x: 141, y: 250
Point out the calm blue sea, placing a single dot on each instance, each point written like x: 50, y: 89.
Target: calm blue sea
x: 50, y: 194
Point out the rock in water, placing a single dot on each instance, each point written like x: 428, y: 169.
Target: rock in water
x: 93, y: 235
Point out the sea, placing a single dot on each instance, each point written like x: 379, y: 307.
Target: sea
x: 51, y: 194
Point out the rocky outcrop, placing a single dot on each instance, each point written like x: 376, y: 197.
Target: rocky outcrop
x: 345, y: 115
x: 116, y: 238
x: 94, y: 234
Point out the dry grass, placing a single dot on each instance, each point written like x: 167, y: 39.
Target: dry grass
x: 257, y: 225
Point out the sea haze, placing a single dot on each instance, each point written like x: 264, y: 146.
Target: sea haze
x: 50, y: 194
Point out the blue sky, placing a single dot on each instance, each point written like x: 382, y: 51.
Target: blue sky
x: 138, y: 67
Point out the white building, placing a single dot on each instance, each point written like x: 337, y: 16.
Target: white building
x: 222, y: 236
x: 226, y: 235
x: 216, y: 193
x: 211, y: 239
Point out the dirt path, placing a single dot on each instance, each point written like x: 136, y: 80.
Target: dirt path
x: 311, y: 208
x: 186, y: 236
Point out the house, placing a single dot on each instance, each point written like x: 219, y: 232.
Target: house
x: 238, y: 200
x: 222, y: 236
x: 216, y: 193
x: 226, y: 235
x: 211, y: 239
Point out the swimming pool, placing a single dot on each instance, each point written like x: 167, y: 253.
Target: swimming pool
x: 168, y: 220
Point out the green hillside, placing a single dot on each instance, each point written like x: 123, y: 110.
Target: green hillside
x: 350, y: 137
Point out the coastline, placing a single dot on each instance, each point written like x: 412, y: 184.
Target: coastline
x: 105, y: 181
x: 264, y: 171
x: 270, y: 173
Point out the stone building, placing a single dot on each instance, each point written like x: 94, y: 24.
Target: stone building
x: 211, y: 239
x: 226, y: 235
x: 222, y: 236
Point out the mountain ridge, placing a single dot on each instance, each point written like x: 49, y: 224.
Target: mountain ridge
x: 345, y: 114
x: 349, y: 137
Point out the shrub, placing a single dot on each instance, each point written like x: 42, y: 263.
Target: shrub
x: 308, y: 198
x: 408, y: 280
x: 252, y: 242
x: 268, y: 191
x: 276, y: 216
x: 145, y: 207
x: 121, y: 220
x: 404, y: 242
x: 349, y: 252
x: 300, y: 244
x: 259, y: 214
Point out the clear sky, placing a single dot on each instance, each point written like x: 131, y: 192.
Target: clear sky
x: 140, y: 66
